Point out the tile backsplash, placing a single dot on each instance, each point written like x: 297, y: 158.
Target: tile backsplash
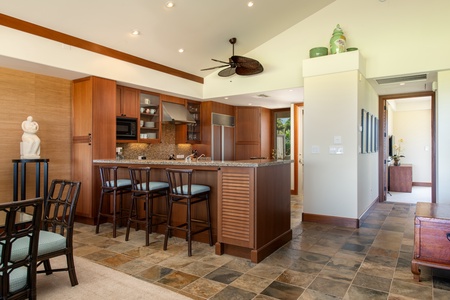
x: 159, y: 150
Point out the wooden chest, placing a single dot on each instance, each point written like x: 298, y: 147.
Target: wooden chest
x: 431, y: 237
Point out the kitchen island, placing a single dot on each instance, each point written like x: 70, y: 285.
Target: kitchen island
x: 250, y: 202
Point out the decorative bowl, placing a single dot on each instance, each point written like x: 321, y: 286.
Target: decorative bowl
x: 318, y: 51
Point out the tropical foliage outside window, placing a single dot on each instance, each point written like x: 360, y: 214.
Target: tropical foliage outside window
x: 283, y: 127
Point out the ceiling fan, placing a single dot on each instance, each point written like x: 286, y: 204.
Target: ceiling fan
x: 237, y: 65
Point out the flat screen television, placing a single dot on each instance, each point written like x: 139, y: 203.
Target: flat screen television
x: 391, y: 145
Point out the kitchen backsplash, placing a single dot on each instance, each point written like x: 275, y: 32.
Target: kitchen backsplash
x: 159, y: 150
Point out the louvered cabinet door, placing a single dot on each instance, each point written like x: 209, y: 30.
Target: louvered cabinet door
x: 236, y: 207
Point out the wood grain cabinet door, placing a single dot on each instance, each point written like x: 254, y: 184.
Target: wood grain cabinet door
x: 236, y: 221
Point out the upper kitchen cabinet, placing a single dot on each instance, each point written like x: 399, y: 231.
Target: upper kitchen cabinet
x: 252, y: 133
x: 190, y: 133
x: 127, y: 102
x: 149, y: 118
x: 94, y: 137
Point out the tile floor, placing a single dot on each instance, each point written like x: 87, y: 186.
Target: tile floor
x: 321, y: 262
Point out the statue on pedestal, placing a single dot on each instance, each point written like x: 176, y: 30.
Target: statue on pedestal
x: 30, y: 147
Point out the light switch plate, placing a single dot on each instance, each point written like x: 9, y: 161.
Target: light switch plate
x: 337, y: 140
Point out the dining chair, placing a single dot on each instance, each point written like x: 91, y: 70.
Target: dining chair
x: 19, y: 236
x: 56, y: 235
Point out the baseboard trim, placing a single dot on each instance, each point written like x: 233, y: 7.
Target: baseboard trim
x: 330, y: 220
x: 427, y: 184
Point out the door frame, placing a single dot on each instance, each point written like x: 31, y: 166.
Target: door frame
x: 382, y: 139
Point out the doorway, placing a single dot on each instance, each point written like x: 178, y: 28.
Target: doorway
x: 391, y: 145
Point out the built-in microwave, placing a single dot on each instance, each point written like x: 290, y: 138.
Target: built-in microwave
x: 126, y: 128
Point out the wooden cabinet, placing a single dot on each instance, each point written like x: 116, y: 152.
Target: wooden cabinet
x: 253, y: 206
x: 149, y: 118
x: 431, y: 237
x: 400, y: 178
x: 127, y: 102
x: 206, y: 146
x: 190, y: 133
x: 253, y: 132
x: 93, y: 137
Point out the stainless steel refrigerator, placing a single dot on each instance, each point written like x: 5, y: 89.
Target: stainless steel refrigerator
x: 222, y: 137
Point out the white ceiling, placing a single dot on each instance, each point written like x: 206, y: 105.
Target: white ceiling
x: 201, y: 27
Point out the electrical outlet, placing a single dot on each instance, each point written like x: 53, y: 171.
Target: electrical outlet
x: 180, y: 156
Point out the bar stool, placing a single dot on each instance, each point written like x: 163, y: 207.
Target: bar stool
x: 182, y: 191
x: 111, y: 185
x: 145, y: 189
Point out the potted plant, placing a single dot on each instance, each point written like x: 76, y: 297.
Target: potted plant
x: 398, y: 153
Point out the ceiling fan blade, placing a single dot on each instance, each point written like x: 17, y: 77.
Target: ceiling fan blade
x: 227, y: 72
x: 212, y: 68
x: 224, y: 62
x: 245, y: 62
x: 249, y: 71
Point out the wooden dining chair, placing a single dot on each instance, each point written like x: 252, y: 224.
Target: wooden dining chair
x: 56, y: 235
x: 19, y: 235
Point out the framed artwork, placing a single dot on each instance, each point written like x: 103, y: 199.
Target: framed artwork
x: 363, y: 131
x: 375, y: 135
x: 367, y: 143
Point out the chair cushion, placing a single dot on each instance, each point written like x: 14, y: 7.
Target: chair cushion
x: 120, y: 183
x: 50, y: 242
x: 19, y: 248
x: 154, y: 185
x: 195, y: 189
x: 17, y: 279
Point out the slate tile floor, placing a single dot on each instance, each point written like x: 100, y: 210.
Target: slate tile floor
x: 321, y: 262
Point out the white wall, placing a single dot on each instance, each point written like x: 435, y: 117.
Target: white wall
x: 367, y: 162
x: 443, y: 139
x: 342, y: 185
x: 395, y: 37
x: 414, y: 127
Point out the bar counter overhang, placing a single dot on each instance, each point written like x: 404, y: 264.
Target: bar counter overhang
x: 250, y: 201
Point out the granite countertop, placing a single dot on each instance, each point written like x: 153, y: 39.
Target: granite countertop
x: 211, y: 163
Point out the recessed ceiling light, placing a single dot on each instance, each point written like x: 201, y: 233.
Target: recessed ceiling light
x: 170, y: 4
x: 135, y: 32
x: 250, y: 4
x: 181, y: 50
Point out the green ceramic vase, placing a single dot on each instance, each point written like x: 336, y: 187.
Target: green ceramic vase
x: 337, y: 41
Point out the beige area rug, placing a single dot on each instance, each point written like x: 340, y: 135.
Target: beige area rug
x: 97, y: 282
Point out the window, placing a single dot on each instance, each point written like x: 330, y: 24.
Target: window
x: 282, y: 147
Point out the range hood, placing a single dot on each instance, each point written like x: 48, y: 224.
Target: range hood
x: 176, y: 114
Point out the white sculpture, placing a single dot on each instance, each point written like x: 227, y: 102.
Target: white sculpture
x: 30, y: 147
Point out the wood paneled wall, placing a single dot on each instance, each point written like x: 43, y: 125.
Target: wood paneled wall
x: 48, y: 101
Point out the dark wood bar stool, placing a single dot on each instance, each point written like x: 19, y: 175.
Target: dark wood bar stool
x: 145, y: 189
x: 111, y: 185
x: 182, y: 191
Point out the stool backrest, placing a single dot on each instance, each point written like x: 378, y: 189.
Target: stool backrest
x: 180, y: 181
x: 140, y: 178
x: 108, y: 176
